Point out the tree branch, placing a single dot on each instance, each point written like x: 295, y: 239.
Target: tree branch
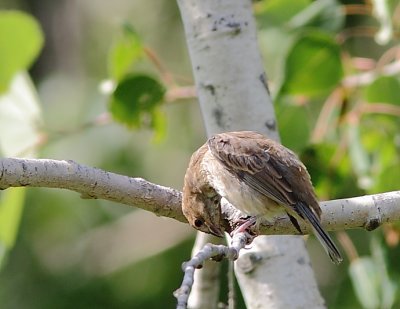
x: 91, y: 183
x: 367, y: 212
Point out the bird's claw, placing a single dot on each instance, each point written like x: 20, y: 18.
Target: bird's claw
x: 245, y: 227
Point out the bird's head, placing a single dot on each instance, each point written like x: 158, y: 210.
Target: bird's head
x: 203, y: 212
x: 200, y: 202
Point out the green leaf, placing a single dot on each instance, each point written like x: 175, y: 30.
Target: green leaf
x: 364, y: 277
x: 379, y: 135
x: 20, y: 117
x: 371, y: 281
x: 293, y: 126
x: 296, y: 15
x: 388, y: 178
x: 21, y: 40
x: 322, y: 14
x: 359, y: 157
x: 278, y: 12
x: 11, y: 207
x: 336, y: 181
x: 384, y: 89
x: 387, y: 287
x: 313, y: 65
x: 125, y: 52
x: 135, y: 99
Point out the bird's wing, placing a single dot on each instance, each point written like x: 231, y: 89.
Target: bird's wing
x: 276, y: 172
x: 263, y: 164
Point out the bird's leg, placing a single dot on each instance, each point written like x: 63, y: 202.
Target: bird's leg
x: 245, y: 225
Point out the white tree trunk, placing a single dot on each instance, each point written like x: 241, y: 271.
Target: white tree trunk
x: 233, y: 94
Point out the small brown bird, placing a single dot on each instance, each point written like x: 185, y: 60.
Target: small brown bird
x: 258, y: 176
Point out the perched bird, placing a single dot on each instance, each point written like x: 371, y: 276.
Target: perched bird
x: 258, y: 176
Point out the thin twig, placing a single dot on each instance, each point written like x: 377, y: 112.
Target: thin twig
x: 323, y: 124
x: 180, y: 93
x: 381, y: 108
x: 357, y: 9
x: 347, y: 245
x: 165, y: 75
x: 367, y: 78
x: 209, y: 251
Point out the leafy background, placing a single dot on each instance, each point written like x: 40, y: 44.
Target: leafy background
x: 110, y: 85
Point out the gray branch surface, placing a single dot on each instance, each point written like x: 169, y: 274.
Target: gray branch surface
x: 367, y: 212
x: 91, y: 183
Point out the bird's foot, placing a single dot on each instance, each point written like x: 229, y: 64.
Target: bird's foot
x: 246, y: 228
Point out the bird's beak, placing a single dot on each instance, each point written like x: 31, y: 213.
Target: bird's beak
x: 216, y: 231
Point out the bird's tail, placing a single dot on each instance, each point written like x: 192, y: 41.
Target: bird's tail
x: 306, y: 213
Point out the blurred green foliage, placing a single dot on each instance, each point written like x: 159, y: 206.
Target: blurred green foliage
x: 333, y: 72
x: 11, y: 206
x: 384, y: 89
x: 371, y: 279
x: 136, y: 98
x: 312, y: 53
x: 21, y: 40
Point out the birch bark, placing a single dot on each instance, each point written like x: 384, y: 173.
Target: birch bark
x: 233, y: 95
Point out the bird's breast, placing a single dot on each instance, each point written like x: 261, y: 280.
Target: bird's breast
x: 237, y: 192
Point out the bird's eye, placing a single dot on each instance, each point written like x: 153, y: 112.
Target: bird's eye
x: 198, y: 222
x: 216, y: 201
